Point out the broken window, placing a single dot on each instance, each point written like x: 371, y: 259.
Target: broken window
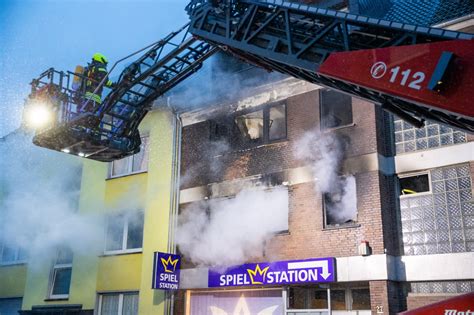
x: 264, y: 125
x: 251, y: 126
x: 335, y: 109
x: 414, y: 184
x: 277, y: 122
x: 340, y: 205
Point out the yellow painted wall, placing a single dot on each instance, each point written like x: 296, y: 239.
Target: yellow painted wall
x: 149, y: 191
x: 12, y: 280
x: 119, y: 273
x: 84, y: 267
x: 155, y: 236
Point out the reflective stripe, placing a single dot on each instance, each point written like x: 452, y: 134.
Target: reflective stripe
x: 94, y: 97
x: 102, y: 70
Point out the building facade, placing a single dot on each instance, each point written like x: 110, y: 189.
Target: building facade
x: 389, y: 206
x: 127, y: 204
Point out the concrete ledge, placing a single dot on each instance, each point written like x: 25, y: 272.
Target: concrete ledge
x: 422, y: 160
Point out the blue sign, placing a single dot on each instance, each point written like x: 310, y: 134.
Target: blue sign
x: 166, y: 271
x: 275, y: 273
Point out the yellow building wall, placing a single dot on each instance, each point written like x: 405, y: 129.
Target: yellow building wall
x: 12, y: 281
x: 148, y: 191
x: 119, y: 273
x: 155, y: 234
x: 84, y: 267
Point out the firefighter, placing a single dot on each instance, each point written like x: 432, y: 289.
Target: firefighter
x: 95, y: 71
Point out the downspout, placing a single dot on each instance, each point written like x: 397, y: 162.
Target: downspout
x: 174, y: 197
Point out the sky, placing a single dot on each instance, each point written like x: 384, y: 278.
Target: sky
x: 38, y: 34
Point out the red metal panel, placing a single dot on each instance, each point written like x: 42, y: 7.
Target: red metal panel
x: 459, y: 305
x: 404, y: 72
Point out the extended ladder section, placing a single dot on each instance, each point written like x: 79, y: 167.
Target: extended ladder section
x: 297, y: 39
x: 110, y: 131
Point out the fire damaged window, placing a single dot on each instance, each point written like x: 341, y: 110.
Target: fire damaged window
x: 251, y: 126
x: 61, y: 274
x: 262, y: 126
x: 132, y: 164
x: 124, y: 233
x: 335, y: 109
x: 415, y: 184
x: 340, y: 205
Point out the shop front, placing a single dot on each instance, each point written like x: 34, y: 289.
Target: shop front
x: 297, y: 287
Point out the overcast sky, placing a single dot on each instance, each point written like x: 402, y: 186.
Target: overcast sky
x: 38, y: 34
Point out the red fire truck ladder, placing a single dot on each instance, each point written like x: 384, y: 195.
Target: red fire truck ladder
x: 415, y: 72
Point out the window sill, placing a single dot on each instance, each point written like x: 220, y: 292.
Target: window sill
x: 122, y: 252
x: 338, y: 227
x: 255, y: 147
x: 338, y: 128
x: 58, y: 298
x: 13, y: 263
x: 126, y: 175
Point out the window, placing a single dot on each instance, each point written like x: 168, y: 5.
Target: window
x: 450, y: 287
x: 335, y: 109
x: 440, y: 220
x: 124, y: 233
x: 61, y: 274
x: 415, y: 184
x: 306, y: 298
x: 10, y: 306
x: 10, y: 255
x: 263, y: 126
x: 314, y: 300
x: 409, y: 138
x: 132, y: 164
x: 118, y: 304
x: 340, y: 205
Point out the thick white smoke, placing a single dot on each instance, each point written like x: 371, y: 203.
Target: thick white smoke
x: 230, y: 231
x: 324, y: 153
x: 38, y: 201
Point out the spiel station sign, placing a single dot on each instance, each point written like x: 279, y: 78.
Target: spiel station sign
x: 166, y: 271
x: 275, y: 273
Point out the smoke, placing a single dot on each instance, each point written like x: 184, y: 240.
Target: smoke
x: 211, y: 162
x: 221, y: 79
x: 324, y: 153
x: 230, y: 231
x: 39, y: 198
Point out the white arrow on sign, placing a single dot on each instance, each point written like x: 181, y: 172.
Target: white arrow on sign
x: 323, y: 264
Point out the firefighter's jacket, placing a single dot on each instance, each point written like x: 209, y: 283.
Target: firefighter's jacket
x: 96, y: 73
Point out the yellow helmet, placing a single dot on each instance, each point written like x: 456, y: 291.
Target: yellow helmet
x: 100, y: 58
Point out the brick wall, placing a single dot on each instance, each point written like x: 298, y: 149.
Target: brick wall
x: 307, y: 236
x: 419, y: 300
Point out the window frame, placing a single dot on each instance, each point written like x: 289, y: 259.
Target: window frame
x: 265, y: 139
x: 130, y: 161
x: 16, y: 261
x: 54, y: 270
x: 322, y: 126
x: 121, y: 295
x: 124, y: 249
x: 429, y: 192
x: 353, y: 224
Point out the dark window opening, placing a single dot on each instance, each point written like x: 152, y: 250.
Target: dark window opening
x: 338, y: 300
x: 257, y: 127
x: 251, y: 126
x: 360, y: 299
x: 307, y: 298
x: 414, y: 184
x: 340, y: 205
x: 335, y: 109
